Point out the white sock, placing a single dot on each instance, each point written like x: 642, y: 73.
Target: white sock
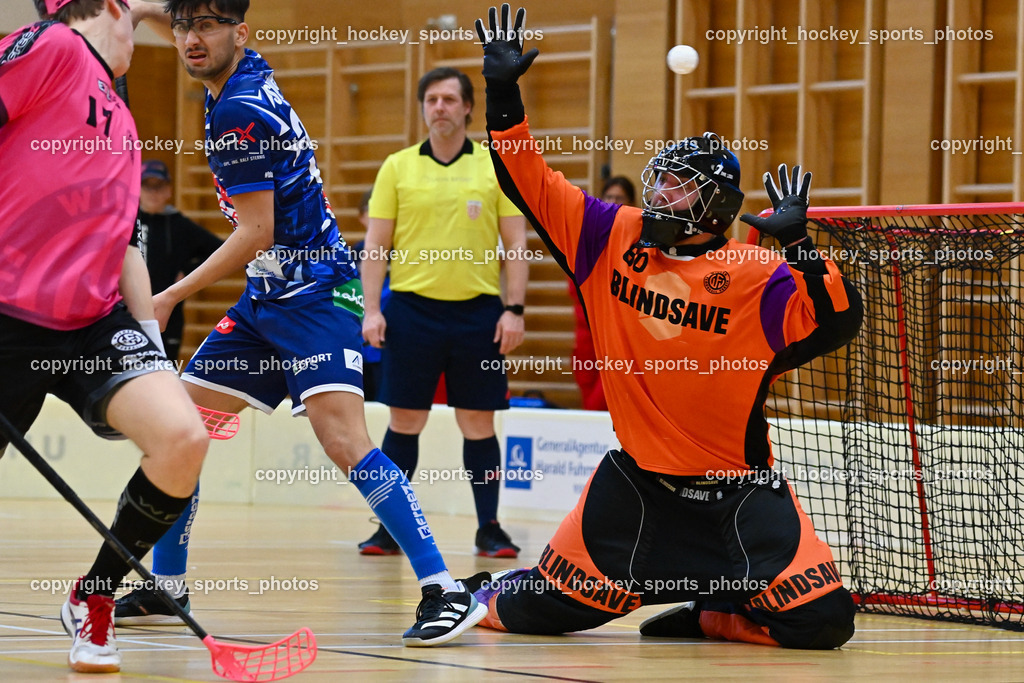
x: 175, y: 585
x: 444, y: 579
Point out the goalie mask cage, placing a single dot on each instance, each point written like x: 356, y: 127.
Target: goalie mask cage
x: 907, y: 446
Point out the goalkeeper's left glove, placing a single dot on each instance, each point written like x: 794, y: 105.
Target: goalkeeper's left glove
x: 788, y: 224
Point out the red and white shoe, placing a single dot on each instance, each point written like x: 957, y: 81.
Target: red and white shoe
x: 90, y: 623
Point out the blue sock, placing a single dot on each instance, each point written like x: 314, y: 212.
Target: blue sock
x: 482, y: 457
x: 390, y: 496
x: 170, y: 553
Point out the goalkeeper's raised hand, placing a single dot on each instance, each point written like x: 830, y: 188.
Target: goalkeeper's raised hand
x: 504, y: 61
x: 788, y: 223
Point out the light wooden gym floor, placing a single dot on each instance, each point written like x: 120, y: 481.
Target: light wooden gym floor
x: 362, y: 605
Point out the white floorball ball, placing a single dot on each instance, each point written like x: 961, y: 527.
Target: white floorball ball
x: 682, y: 59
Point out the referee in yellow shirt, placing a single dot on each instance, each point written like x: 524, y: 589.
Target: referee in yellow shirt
x: 436, y: 208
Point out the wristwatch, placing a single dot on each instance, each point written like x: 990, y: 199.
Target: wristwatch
x: 515, y: 309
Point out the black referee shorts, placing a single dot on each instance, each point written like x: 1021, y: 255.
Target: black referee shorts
x: 426, y: 337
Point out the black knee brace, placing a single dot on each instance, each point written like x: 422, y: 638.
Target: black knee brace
x: 821, y: 624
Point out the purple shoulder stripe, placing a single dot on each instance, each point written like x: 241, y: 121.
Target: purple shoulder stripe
x: 776, y: 295
x: 598, y: 217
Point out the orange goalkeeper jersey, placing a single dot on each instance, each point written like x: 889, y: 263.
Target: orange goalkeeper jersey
x: 687, y: 346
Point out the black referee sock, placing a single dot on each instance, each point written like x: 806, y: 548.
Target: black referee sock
x: 482, y: 457
x: 144, y: 514
x: 403, y: 449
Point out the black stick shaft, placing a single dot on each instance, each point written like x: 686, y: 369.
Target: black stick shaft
x: 70, y: 496
x: 121, y: 87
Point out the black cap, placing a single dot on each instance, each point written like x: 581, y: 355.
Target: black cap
x: 155, y: 168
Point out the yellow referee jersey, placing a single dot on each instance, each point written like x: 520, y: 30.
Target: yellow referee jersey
x: 446, y: 221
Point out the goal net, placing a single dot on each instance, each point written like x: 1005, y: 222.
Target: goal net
x: 907, y: 447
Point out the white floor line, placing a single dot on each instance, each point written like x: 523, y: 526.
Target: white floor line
x: 64, y: 651
x: 34, y: 630
x: 935, y: 629
x: 936, y: 641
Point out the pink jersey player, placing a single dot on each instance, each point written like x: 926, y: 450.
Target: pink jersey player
x: 76, y: 311
x: 69, y: 181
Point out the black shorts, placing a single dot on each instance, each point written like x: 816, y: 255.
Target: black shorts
x: 639, y: 538
x: 83, y: 367
x: 426, y: 337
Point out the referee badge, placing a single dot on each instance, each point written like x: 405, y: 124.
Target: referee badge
x: 474, y: 208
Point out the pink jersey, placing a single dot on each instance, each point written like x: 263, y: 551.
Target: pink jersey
x: 69, y: 179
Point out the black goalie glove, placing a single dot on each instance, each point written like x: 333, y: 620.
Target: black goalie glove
x: 504, y: 61
x: 788, y: 223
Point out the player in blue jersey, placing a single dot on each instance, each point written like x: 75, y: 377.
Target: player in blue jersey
x: 296, y: 330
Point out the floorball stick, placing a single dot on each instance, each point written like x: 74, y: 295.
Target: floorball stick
x: 219, y: 426
x: 233, y: 662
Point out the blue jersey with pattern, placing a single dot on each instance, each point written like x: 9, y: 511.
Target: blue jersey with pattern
x: 255, y: 141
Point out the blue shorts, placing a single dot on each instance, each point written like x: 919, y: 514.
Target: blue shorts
x: 426, y: 337
x: 263, y: 351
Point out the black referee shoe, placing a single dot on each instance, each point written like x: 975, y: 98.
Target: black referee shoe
x: 492, y: 541
x: 381, y: 543
x: 682, y: 621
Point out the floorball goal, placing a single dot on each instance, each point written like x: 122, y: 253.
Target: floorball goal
x: 907, y: 447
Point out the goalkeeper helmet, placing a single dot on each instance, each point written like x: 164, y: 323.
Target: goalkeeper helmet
x: 689, y: 188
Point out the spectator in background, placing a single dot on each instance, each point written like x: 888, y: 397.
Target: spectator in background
x: 171, y: 244
x: 617, y: 190
x: 445, y: 314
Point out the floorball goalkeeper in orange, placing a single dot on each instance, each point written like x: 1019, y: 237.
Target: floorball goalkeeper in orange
x: 689, y: 510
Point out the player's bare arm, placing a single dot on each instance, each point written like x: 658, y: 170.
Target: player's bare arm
x: 255, y: 232
x: 379, y: 237
x: 510, y: 328
x: 134, y: 285
x: 153, y: 14
x: 138, y: 295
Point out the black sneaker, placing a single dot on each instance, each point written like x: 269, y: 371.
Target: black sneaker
x: 142, y: 607
x: 682, y: 621
x: 475, y: 582
x: 442, y: 616
x: 492, y: 541
x: 380, y: 543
